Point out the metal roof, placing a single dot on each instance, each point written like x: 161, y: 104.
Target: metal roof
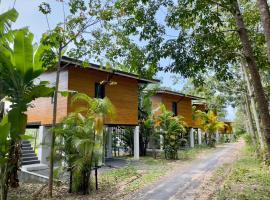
x: 113, y: 71
x: 178, y: 94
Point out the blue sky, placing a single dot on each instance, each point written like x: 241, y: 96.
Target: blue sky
x: 30, y: 17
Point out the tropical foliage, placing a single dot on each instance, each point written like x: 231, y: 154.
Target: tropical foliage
x: 171, y: 128
x: 19, y: 68
x: 80, y: 138
x: 209, y: 123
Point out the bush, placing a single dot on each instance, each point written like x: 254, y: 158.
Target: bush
x: 183, y: 142
x: 248, y: 139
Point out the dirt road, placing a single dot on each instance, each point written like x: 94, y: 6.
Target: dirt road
x: 185, y: 182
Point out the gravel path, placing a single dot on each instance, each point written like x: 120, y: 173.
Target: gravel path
x: 183, y: 183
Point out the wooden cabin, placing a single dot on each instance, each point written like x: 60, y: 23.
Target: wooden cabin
x: 228, y: 129
x: 123, y: 93
x: 198, y: 106
x: 178, y: 103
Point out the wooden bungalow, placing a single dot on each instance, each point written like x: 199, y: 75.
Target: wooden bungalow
x: 122, y: 90
x: 198, y: 106
x: 179, y: 104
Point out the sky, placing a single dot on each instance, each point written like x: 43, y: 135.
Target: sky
x: 30, y: 17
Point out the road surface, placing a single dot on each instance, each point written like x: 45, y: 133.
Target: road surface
x: 184, y: 182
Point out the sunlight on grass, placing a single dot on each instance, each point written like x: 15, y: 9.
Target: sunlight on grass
x: 249, y: 179
x: 191, y: 152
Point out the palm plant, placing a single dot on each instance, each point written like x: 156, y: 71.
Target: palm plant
x: 209, y: 123
x: 83, y: 139
x: 171, y: 127
x: 19, y: 69
x: 76, y: 149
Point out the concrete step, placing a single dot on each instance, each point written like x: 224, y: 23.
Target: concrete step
x: 29, y: 158
x: 25, y: 142
x: 35, y: 167
x: 27, y: 148
x: 26, y: 145
x: 28, y: 155
x: 27, y: 151
x: 30, y: 162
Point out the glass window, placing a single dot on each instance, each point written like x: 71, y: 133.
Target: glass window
x: 99, y: 91
x: 174, y: 108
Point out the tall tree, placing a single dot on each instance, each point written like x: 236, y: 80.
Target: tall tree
x: 198, y: 37
x: 254, y: 73
x: 77, y: 36
x: 265, y: 17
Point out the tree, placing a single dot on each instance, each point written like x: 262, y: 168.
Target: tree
x: 82, y: 134
x: 170, y: 127
x: 5, y: 145
x: 78, y: 36
x: 209, y: 123
x: 265, y: 18
x: 146, y: 121
x: 20, y: 66
x: 208, y: 38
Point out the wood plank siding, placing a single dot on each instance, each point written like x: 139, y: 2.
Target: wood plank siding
x: 123, y: 95
x: 41, y: 110
x: 184, y: 105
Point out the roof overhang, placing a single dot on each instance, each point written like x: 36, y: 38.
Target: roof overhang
x: 78, y: 63
x: 178, y: 94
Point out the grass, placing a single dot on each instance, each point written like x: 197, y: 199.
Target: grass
x: 248, y: 179
x: 191, y: 153
x: 136, y: 175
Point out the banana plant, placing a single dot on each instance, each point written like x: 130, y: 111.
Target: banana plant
x: 20, y: 67
x: 4, y: 144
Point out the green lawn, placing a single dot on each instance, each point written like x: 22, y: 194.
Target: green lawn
x: 249, y: 179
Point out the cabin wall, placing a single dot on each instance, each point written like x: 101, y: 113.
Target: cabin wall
x: 123, y: 95
x: 184, y: 105
x: 41, y: 110
x: 156, y: 101
x: 196, y: 122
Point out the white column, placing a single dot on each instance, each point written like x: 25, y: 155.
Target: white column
x: 136, y: 143
x: 109, y: 142
x: 44, y: 138
x: 191, y: 137
x: 199, y: 136
x: 217, y: 137
x: 161, y: 142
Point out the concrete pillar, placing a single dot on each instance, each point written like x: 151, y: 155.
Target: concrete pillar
x: 136, y: 143
x: 161, y: 142
x: 44, y: 138
x: 199, y: 136
x: 109, y: 142
x: 217, y: 137
x: 191, y: 137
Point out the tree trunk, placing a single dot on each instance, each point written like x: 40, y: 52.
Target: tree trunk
x: 250, y: 122
x: 254, y: 74
x: 253, y: 106
x: 265, y: 18
x: 54, y: 121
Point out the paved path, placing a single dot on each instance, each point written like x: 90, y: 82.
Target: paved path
x: 182, y: 183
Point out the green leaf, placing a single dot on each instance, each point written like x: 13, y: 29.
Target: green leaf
x: 64, y: 93
x: 4, y: 128
x: 18, y: 121
x: 23, y: 52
